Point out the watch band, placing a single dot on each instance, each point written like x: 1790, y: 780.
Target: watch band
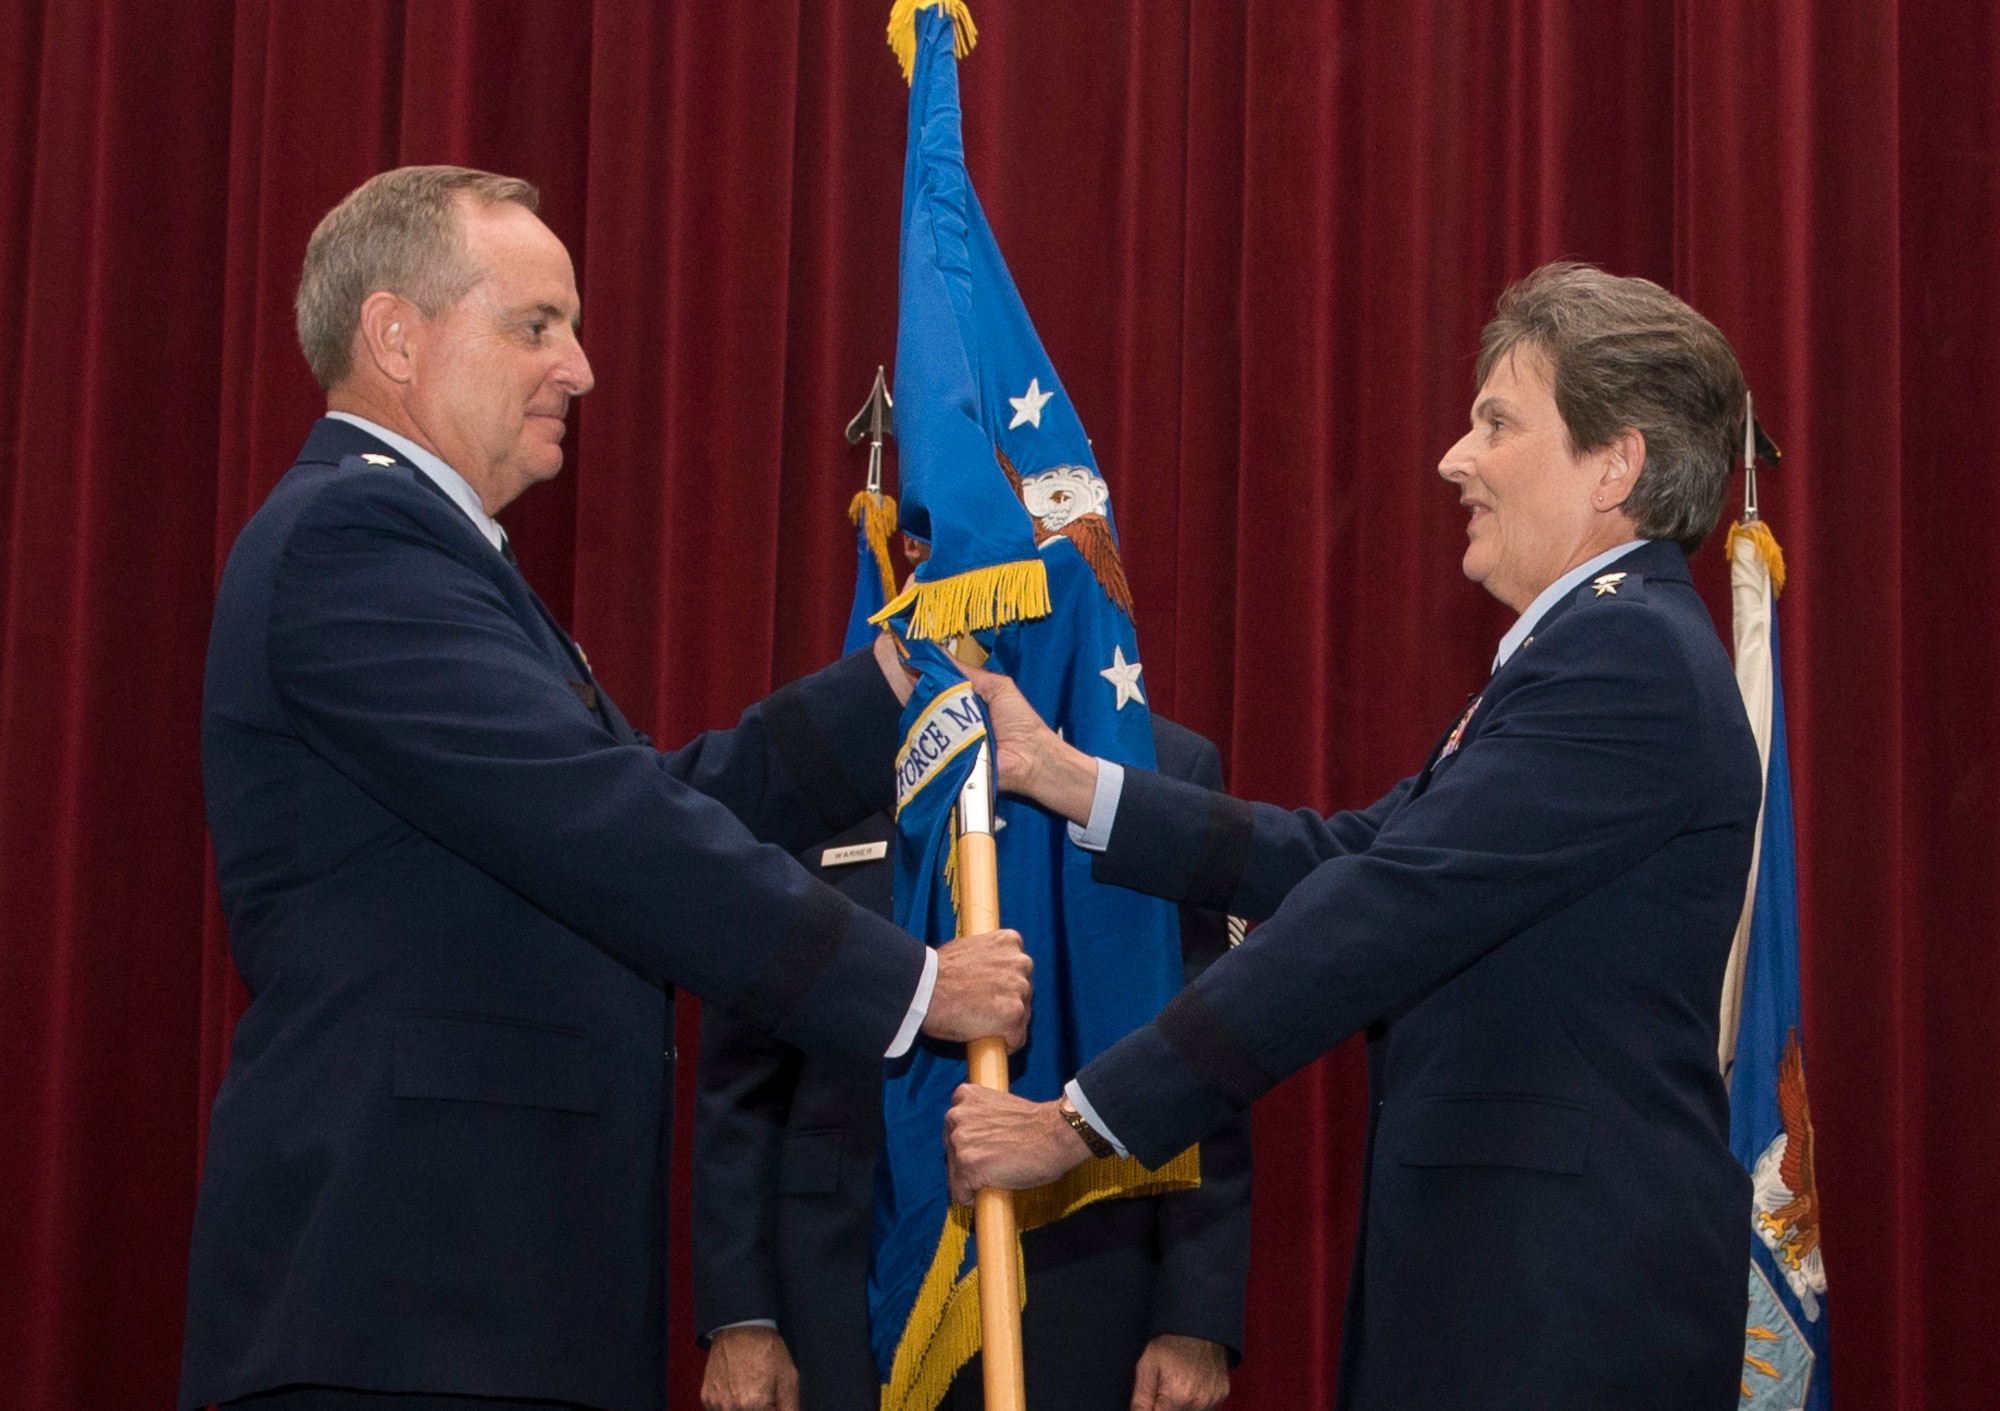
x: 1092, y: 1138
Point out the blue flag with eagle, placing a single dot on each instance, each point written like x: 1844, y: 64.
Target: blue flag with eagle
x: 998, y: 480
x: 1770, y: 1124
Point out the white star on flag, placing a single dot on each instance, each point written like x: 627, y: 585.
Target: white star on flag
x: 1028, y: 406
x: 1125, y: 676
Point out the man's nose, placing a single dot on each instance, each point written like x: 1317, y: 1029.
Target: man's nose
x: 575, y: 372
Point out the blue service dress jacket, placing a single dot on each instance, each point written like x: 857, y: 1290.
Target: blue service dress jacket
x: 1532, y: 931
x: 459, y: 887
x: 785, y: 1149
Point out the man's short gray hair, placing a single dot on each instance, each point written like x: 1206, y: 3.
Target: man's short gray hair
x: 1624, y: 354
x: 398, y: 231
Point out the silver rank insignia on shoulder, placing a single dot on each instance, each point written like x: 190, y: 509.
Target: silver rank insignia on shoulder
x: 1607, y: 583
x: 377, y: 458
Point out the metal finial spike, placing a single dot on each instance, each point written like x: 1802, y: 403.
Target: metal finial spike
x: 872, y: 421
x: 1749, y: 458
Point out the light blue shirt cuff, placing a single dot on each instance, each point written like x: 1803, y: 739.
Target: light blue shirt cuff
x: 1074, y: 1093
x: 1095, y: 836
x: 743, y: 1323
x: 920, y: 1005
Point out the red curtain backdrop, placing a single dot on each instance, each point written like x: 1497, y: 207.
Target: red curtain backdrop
x: 1259, y: 241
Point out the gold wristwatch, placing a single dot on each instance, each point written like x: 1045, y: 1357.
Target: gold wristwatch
x: 1092, y: 1138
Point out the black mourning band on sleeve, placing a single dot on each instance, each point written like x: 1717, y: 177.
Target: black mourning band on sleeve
x: 1211, y: 1052
x: 810, y: 760
x: 1225, y: 852
x: 769, y: 999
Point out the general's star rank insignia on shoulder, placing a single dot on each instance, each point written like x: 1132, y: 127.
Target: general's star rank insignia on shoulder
x: 1607, y: 583
x: 377, y: 458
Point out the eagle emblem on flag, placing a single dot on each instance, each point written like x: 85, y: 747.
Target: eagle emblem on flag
x: 1070, y: 501
x: 1785, y: 1196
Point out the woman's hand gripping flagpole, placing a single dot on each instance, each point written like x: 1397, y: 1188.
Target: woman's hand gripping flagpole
x: 995, y: 1142
x: 1033, y: 761
x: 984, y: 981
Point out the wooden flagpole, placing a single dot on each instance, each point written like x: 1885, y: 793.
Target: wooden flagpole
x: 993, y: 1210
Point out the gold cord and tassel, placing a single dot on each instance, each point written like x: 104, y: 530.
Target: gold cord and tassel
x: 1765, y: 544
x: 874, y: 514
x: 903, y: 30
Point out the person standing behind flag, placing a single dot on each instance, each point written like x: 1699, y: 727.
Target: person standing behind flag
x: 1123, y: 1296
x: 1532, y: 928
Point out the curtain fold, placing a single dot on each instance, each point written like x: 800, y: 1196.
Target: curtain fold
x: 1260, y: 240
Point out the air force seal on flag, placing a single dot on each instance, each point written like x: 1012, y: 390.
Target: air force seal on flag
x: 1785, y: 1194
x: 1056, y: 497
x: 1777, y: 1359
x: 1072, y: 502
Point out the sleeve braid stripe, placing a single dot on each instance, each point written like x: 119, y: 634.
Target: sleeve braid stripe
x: 810, y: 762
x: 768, y: 1001
x: 1225, y: 852
x: 1211, y: 1052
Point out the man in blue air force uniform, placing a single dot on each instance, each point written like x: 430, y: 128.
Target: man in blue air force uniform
x: 459, y: 884
x: 1532, y: 929
x: 784, y: 1186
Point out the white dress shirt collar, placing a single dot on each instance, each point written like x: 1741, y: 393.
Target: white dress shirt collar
x: 442, y: 475
x: 1525, y: 625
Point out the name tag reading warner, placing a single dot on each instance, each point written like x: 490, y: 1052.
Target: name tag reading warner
x: 951, y: 723
x: 853, y: 853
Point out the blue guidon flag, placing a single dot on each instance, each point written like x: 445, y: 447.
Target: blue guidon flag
x: 1770, y: 1123
x: 998, y: 480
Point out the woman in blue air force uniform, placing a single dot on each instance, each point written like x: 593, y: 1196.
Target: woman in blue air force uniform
x: 1532, y: 929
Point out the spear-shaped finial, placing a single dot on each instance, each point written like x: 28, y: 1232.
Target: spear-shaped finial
x: 872, y: 421
x: 873, y: 512
x: 1751, y: 528
x: 1749, y: 457
x: 1755, y: 444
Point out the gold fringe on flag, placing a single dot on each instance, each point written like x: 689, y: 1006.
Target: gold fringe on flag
x: 923, y: 1370
x: 1105, y: 1178
x: 949, y: 1306
x: 952, y: 880
x: 903, y: 30
x: 973, y: 601
x: 1766, y: 544
x: 874, y: 514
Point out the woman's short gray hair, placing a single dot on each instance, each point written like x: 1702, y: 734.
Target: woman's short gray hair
x: 398, y: 231
x: 1624, y: 354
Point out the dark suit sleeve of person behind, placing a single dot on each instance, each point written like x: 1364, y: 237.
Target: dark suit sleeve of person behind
x: 1204, y: 1234
x: 784, y: 1173
x: 400, y: 664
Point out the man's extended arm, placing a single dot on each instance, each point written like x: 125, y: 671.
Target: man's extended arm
x: 402, y: 665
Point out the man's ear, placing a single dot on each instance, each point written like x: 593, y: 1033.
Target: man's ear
x: 1619, y: 469
x: 385, y: 335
